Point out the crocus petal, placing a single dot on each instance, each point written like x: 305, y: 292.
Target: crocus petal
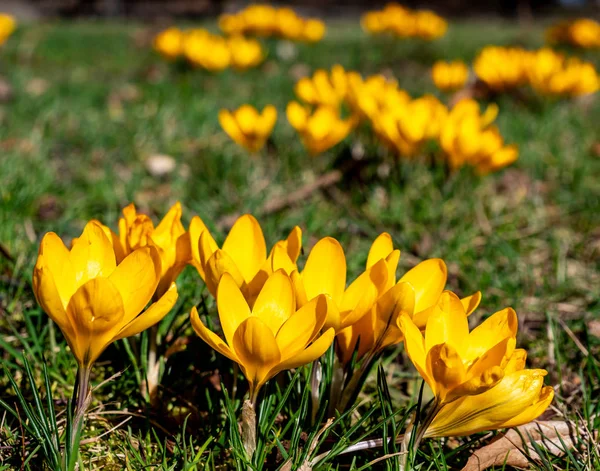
x: 231, y: 127
x: 217, y: 265
x: 276, y: 301
x: 210, y: 337
x: 477, y: 384
x: 380, y: 249
x: 414, y: 344
x: 533, y: 411
x: 197, y: 227
x: 428, y: 279
x: 359, y: 297
x: 446, y: 368
x: 136, y: 278
x: 53, y: 256
x: 498, y: 326
x: 315, y: 351
x: 96, y: 312
x: 233, y: 308
x: 170, y: 228
x: 447, y: 323
x: 293, y: 243
x: 397, y: 302
x: 92, y: 254
x: 255, y: 346
x: 245, y: 244
x: 152, y: 315
x: 299, y: 329
x: 325, y: 270
x: 470, y: 303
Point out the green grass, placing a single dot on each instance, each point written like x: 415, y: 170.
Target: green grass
x: 527, y: 237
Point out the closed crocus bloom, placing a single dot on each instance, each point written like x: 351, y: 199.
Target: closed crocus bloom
x: 290, y: 25
x: 245, y: 52
x: 169, y: 43
x: 247, y: 127
x: 454, y: 362
x: 93, y: 299
x: 585, y: 33
x: 502, y: 68
x: 231, y: 24
x: 448, y: 76
x: 325, y: 273
x: 517, y: 399
x: 313, y: 30
x: 374, y: 95
x: 260, y: 20
x: 7, y: 26
x: 270, y: 337
x: 322, y: 129
x: 429, y: 25
x: 372, y: 22
x: 323, y: 88
x: 243, y: 255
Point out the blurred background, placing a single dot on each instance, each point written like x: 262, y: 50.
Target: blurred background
x: 523, y: 9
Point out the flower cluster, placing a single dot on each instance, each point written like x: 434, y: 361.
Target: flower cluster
x: 209, y: 51
x: 247, y: 127
x: 265, y: 20
x: 582, y: 32
x: 7, y: 26
x: 275, y: 316
x: 449, y: 76
x: 545, y: 70
x: 468, y: 138
x: 404, y: 22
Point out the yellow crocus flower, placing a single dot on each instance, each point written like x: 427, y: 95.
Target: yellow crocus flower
x: 502, y: 68
x: 169, y: 43
x: 7, y: 26
x: 374, y: 95
x: 313, y: 30
x: 93, y: 299
x: 243, y: 255
x: 322, y: 129
x: 582, y: 32
x: 517, y: 399
x: 270, y: 337
x: 206, y: 50
x: 247, y: 127
x: 245, y: 52
x: 449, y: 76
x: 289, y: 24
x: 452, y: 361
x: 323, y: 88
x: 415, y: 295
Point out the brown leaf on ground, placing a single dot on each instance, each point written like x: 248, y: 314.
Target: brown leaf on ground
x: 515, y: 448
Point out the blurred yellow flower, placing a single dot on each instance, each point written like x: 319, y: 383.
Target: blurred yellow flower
x: 406, y: 128
x: 169, y: 43
x: 415, y: 295
x: 449, y: 76
x: 374, y: 95
x: 7, y: 26
x: 245, y: 52
x: 265, y: 20
x: 322, y: 129
x: 93, y: 299
x: 247, y: 127
x: 404, y: 22
x: 551, y: 74
x: 270, y: 337
x: 323, y: 88
x: 206, y: 50
x: 582, y: 32
x: 468, y: 138
x: 517, y: 399
x: 452, y: 361
x: 502, y: 68
x: 243, y: 255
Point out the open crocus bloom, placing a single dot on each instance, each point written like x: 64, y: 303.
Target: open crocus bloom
x: 449, y: 76
x: 243, y: 255
x: 415, y: 295
x: 272, y: 336
x: 325, y: 273
x: 93, y: 300
x: 323, y: 88
x: 454, y: 362
x: 517, y: 399
x: 247, y: 127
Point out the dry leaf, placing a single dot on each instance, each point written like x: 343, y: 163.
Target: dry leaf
x: 512, y: 448
x: 594, y: 328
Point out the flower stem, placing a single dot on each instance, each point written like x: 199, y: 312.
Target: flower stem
x: 82, y: 400
x: 153, y: 365
x: 420, y: 432
x: 249, y: 427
